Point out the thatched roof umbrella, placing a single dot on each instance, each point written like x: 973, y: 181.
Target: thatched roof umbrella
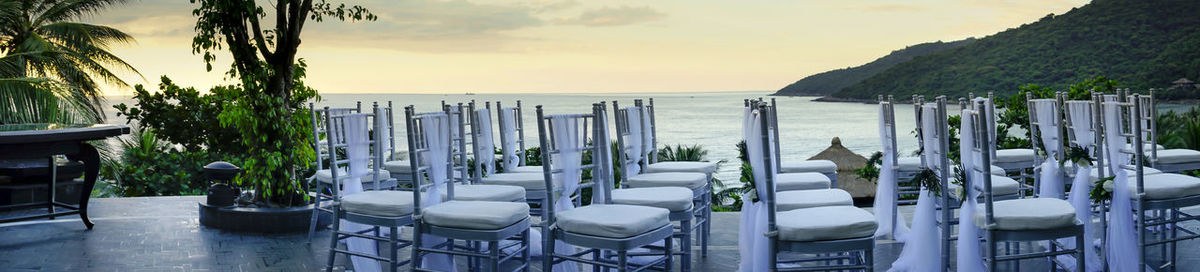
x: 847, y: 161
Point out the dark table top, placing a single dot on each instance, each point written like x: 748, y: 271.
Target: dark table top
x: 42, y: 133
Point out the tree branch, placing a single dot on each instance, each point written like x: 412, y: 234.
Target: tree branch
x: 258, y: 37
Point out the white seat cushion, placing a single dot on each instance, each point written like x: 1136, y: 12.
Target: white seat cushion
x: 529, y: 181
x: 819, y: 166
x: 1173, y: 156
x: 682, y: 166
x: 1146, y: 147
x: 379, y: 203
x: 326, y: 176
x: 675, y: 199
x: 673, y: 179
x: 801, y: 181
x: 1163, y: 186
x: 613, y: 221
x: 1014, y: 155
x: 1028, y: 214
x: 1001, y: 185
x: 527, y: 169
x: 478, y: 215
x: 998, y: 171
x: 908, y: 164
x: 791, y: 200
x: 825, y: 223
x: 485, y: 192
x: 398, y: 166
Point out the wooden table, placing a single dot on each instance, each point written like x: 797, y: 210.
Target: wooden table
x: 43, y: 141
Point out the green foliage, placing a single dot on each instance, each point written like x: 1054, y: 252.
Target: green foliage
x: 682, y: 153
x: 1146, y: 44
x: 47, y: 43
x: 42, y: 100
x: 533, y: 156
x: 183, y: 116
x: 276, y: 133
x: 1098, y: 193
x: 725, y: 194
x: 870, y: 170
x: 832, y: 81
x: 149, y: 166
x: 1179, y: 130
x: 1076, y: 154
x: 1013, y: 111
x: 929, y: 180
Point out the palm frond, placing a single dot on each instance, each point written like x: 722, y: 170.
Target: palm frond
x: 57, y: 11
x: 41, y: 100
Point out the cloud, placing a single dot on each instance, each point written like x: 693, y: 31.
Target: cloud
x: 610, y: 16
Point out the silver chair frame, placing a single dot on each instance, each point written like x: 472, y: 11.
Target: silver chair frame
x: 1035, y: 140
x: 993, y: 237
x: 536, y: 198
x: 685, y: 229
x: 864, y: 246
x: 596, y: 245
x: 419, y: 146
x: 1153, y: 215
x: 833, y: 177
x: 377, y: 222
x: 520, y: 130
x: 1150, y: 113
x: 701, y: 197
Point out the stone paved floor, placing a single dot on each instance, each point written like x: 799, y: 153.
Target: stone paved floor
x: 163, y: 234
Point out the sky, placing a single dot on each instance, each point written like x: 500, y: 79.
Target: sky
x: 575, y: 46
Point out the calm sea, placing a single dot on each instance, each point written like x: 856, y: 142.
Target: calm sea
x: 712, y: 120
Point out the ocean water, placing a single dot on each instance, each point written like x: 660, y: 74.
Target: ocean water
x: 712, y: 120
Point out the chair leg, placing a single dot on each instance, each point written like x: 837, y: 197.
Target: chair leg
x: 991, y: 251
x: 869, y: 258
x: 685, y: 245
x: 706, y: 228
x: 393, y: 238
x: 312, y: 222
x: 667, y: 252
x: 1080, y: 253
x: 525, y: 258
x: 494, y: 256
x: 547, y: 249
x: 622, y: 261
x: 1174, y: 234
x: 333, y: 240
x: 415, y: 260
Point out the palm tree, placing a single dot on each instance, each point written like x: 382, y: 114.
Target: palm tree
x: 63, y: 59
x: 40, y: 100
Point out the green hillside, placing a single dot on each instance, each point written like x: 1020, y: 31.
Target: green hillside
x: 1141, y: 43
x: 832, y: 81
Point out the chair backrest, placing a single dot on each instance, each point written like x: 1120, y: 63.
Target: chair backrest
x: 653, y: 133
x: 1127, y: 126
x: 387, y: 127
x: 649, y: 149
x: 423, y: 152
x: 918, y: 101
x: 761, y: 119
x: 1082, y: 122
x: 517, y: 145
x: 460, y: 126
x: 625, y: 134
x: 773, y: 115
x: 349, y: 132
x: 889, y: 129
x: 482, y: 141
x: 603, y: 173
x: 1148, y: 115
x: 321, y: 130
x: 558, y: 153
x: 980, y: 145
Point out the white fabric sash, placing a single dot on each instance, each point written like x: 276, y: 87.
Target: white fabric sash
x: 437, y: 129
x: 358, y: 153
x: 885, y: 192
x: 633, y: 148
x: 508, y: 128
x: 570, y: 142
x: 1048, y: 125
x: 647, y: 135
x: 603, y: 173
x: 970, y: 254
x: 1123, y: 253
x: 752, y: 244
x: 485, y: 148
x: 1080, y: 113
x: 922, y: 249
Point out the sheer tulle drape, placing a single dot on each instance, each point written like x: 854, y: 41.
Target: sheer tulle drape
x: 436, y: 128
x: 1122, y: 252
x: 358, y: 152
x: 508, y: 128
x: 634, y: 148
x: 922, y: 248
x: 885, y: 190
x: 485, y: 148
x: 1051, y: 176
x: 752, y: 245
x: 970, y: 255
x: 568, y: 139
x: 1080, y: 114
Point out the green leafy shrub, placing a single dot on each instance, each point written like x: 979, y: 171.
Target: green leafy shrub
x: 150, y: 166
x: 183, y: 116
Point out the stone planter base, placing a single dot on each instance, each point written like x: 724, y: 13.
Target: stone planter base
x: 261, y: 220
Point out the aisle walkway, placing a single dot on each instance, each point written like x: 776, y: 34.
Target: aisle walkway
x: 164, y: 234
